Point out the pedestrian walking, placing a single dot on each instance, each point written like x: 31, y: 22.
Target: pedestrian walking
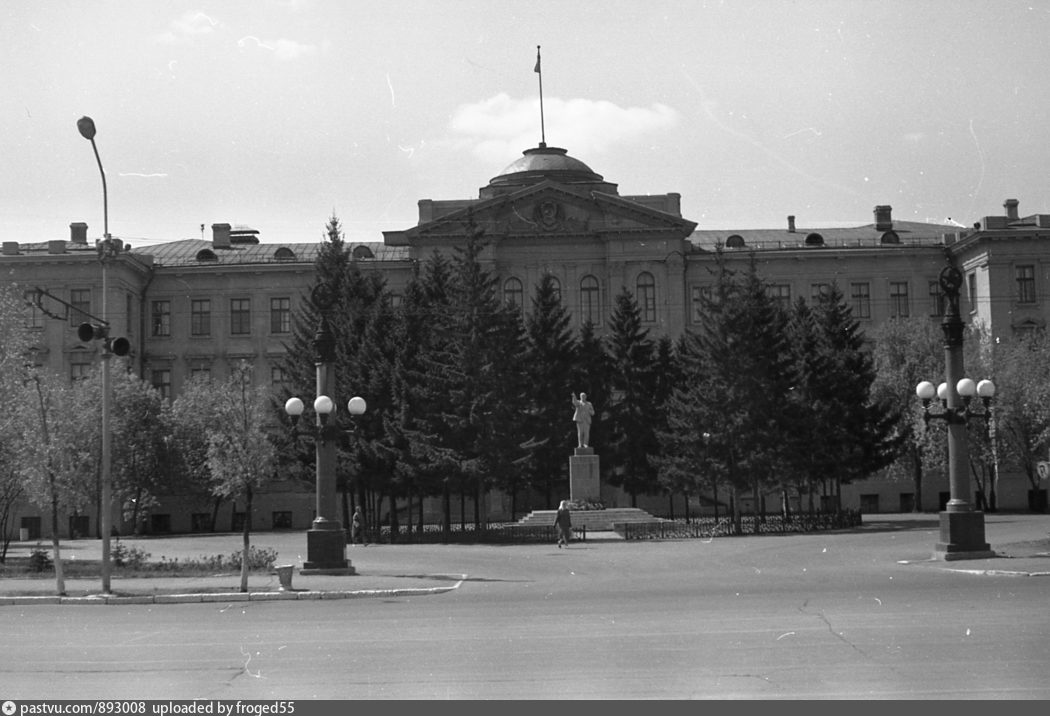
x: 563, y: 524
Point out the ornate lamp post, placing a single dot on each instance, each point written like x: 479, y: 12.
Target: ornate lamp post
x: 106, y: 251
x: 962, y: 527
x: 326, y: 538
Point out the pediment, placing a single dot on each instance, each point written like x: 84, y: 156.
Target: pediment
x: 553, y: 210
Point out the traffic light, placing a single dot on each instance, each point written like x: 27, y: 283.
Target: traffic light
x: 119, y: 346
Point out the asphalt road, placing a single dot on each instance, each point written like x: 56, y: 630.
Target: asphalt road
x: 859, y: 615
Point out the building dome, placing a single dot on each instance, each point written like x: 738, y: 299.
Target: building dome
x: 544, y: 162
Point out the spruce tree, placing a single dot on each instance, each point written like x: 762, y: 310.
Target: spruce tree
x: 548, y: 361
x: 632, y: 411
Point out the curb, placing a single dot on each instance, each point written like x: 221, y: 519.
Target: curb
x: 211, y: 597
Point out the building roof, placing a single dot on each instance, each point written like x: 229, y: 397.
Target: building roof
x: 200, y: 252
x: 545, y: 162
x: 902, y: 233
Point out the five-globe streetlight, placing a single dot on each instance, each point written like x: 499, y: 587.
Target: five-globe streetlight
x: 326, y: 538
x: 961, y: 526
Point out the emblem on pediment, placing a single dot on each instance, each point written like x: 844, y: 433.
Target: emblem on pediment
x: 548, y: 215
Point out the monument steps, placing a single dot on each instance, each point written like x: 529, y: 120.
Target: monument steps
x: 592, y: 520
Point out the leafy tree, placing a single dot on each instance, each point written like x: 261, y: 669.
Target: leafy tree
x: 1022, y: 403
x: 240, y: 454
x: 15, y: 347
x: 632, y: 411
x: 56, y: 456
x: 907, y: 352
x: 141, y: 445
x: 194, y: 413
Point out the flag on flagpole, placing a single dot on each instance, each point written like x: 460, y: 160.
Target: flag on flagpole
x: 537, y: 67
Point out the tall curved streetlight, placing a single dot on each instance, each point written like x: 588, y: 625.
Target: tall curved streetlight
x: 106, y: 251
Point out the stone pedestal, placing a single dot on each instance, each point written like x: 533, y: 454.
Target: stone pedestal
x: 326, y: 552
x: 584, y: 480
x: 962, y: 537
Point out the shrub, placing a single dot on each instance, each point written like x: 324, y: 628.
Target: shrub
x: 130, y: 557
x: 40, y: 560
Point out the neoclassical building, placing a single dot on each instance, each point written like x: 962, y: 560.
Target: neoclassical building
x: 202, y: 306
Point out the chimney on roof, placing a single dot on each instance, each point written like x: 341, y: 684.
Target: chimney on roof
x: 1011, y: 209
x: 78, y: 233
x: 791, y: 224
x: 220, y: 236
x: 883, y: 218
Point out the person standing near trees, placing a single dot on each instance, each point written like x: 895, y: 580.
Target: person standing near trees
x: 357, y: 527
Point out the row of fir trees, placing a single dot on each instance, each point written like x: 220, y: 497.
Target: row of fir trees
x: 467, y: 393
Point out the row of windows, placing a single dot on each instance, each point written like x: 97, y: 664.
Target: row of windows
x: 860, y: 295
x: 899, y: 301
x: 240, y: 309
x: 240, y: 317
x: 160, y: 378
x: 590, y: 303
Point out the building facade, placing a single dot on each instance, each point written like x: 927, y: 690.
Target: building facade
x: 201, y: 307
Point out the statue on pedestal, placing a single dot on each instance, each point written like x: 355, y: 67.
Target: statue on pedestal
x: 582, y: 414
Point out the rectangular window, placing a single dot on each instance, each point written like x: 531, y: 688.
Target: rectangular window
x: 200, y: 317
x: 78, y: 370
x: 160, y: 319
x: 280, y: 315
x: 1025, y: 284
x: 699, y: 297
x: 936, y: 299
x: 278, y: 376
x: 899, y: 299
x: 971, y: 291
x: 240, y: 316
x: 860, y: 299
x: 781, y: 293
x: 818, y: 291
x: 80, y: 306
x: 34, y: 317
x: 590, y: 310
x: 129, y: 302
x: 161, y: 380
x: 282, y: 520
x: 200, y: 373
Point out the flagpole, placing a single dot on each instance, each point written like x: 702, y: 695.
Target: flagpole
x: 539, y: 71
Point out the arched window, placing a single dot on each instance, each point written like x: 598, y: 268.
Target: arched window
x: 206, y: 255
x: 736, y: 241
x: 512, y: 293
x: 590, y: 308
x: 362, y: 252
x: 556, y: 287
x: 283, y: 253
x: 646, y: 295
x: 814, y: 239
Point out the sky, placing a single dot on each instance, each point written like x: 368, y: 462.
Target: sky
x: 279, y: 114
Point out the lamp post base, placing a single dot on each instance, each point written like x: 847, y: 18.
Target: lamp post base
x: 326, y: 551
x: 962, y: 537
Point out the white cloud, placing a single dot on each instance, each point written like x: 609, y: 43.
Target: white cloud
x: 283, y: 48
x: 189, y: 25
x: 499, y: 128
